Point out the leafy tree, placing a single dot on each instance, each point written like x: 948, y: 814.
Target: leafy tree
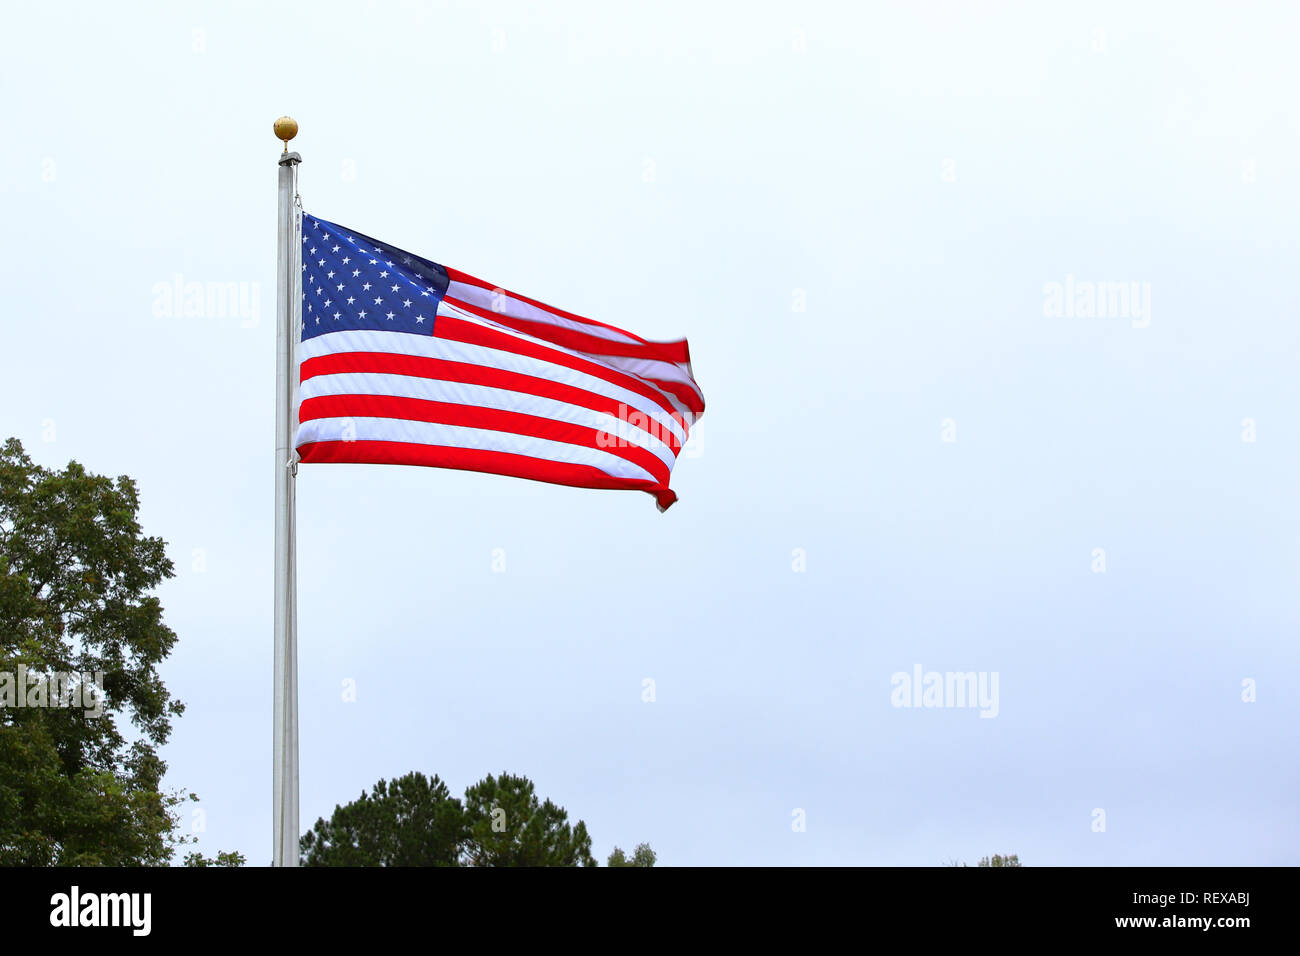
x: 75, y: 577
x: 994, y: 860
x: 221, y: 859
x: 413, y: 821
x: 509, y: 826
x: 641, y: 856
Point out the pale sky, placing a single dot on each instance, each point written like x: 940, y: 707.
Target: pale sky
x: 859, y: 215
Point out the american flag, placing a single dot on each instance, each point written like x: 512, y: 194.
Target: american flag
x: 406, y: 362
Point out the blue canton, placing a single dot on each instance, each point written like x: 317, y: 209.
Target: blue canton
x: 349, y: 281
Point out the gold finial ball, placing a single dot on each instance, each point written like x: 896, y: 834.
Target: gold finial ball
x: 286, y: 128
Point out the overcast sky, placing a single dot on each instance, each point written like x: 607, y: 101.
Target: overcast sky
x: 868, y: 219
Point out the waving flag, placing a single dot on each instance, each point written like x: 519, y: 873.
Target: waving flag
x: 407, y: 362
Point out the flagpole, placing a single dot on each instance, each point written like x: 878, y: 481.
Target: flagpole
x: 284, y: 775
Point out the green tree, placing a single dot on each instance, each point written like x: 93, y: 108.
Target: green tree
x: 641, y: 856
x: 509, y: 826
x: 994, y: 860
x: 75, y: 577
x: 413, y: 821
x: 221, y: 859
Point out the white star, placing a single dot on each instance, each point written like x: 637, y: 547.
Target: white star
x: 383, y: 275
x: 378, y: 300
x: 335, y: 249
x: 311, y: 251
x: 339, y: 287
x: 394, y: 288
x: 362, y: 314
x: 366, y: 287
x: 330, y: 274
x: 336, y: 315
x: 407, y: 303
x: 419, y: 320
x: 346, y: 260
x: 390, y: 316
x: 351, y: 300
x: 355, y: 273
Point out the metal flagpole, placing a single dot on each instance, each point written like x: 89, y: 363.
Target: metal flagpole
x: 284, y: 776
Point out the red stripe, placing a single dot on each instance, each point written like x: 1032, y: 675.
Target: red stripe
x: 474, y: 416
x: 471, y: 333
x: 685, y: 394
x: 392, y: 363
x: 469, y: 459
x: 457, y: 276
x: 674, y: 352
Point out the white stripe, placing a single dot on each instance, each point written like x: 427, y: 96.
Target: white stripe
x: 483, y: 396
x: 506, y: 304
x: 450, y: 309
x: 650, y: 368
x: 643, y: 369
x: 461, y: 436
x: 424, y: 346
x: 688, y: 416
